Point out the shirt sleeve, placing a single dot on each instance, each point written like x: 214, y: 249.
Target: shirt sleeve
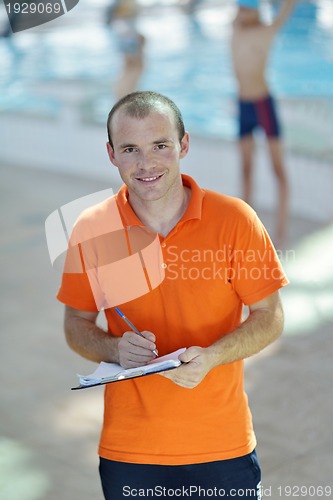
x: 75, y: 289
x: 256, y: 271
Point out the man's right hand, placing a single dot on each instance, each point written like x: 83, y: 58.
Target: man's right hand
x: 93, y: 343
x: 135, y: 350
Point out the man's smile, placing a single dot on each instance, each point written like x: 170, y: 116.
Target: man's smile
x: 149, y: 179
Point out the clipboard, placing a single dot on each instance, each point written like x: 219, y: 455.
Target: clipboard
x: 107, y: 373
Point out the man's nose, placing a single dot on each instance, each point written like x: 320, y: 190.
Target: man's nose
x: 147, y: 159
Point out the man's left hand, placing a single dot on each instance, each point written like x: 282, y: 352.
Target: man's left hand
x: 196, y: 363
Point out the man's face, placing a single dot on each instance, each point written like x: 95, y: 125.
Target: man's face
x: 147, y: 153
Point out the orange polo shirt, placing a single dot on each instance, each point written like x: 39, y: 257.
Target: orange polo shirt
x: 217, y: 258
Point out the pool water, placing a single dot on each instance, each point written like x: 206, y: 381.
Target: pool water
x: 187, y: 58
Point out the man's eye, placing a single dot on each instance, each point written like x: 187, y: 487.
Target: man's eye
x: 129, y: 150
x: 161, y: 146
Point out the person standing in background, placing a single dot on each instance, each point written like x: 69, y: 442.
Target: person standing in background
x: 250, y: 48
x: 122, y: 16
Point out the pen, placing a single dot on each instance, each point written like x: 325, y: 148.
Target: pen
x: 130, y: 324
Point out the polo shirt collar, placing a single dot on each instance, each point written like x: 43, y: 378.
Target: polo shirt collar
x: 193, y: 210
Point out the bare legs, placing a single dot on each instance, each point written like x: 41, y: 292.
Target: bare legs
x: 133, y: 65
x: 275, y: 150
x: 247, y: 149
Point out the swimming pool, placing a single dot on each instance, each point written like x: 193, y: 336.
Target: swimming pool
x: 187, y: 58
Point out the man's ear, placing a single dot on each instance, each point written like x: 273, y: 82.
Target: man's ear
x: 184, y: 145
x: 111, y: 153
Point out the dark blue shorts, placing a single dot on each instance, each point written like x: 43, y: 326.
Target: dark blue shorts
x: 261, y: 113
x: 236, y: 478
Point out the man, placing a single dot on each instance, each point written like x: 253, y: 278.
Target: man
x: 250, y: 46
x: 189, y: 430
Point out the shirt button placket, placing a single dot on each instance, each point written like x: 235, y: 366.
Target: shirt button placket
x: 164, y: 265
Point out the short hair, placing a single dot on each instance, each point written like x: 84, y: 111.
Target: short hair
x: 140, y: 104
